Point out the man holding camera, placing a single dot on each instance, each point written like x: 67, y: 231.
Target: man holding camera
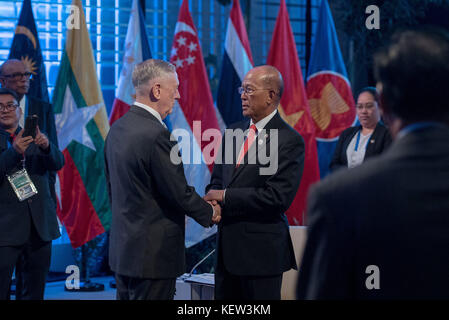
x: 28, y: 216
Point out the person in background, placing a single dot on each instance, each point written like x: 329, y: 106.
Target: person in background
x: 380, y: 231
x: 14, y: 75
x: 28, y: 221
x: 368, y: 139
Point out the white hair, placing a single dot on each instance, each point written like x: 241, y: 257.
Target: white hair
x: 151, y: 69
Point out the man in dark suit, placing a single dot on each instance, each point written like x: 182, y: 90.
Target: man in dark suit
x: 254, y: 244
x: 27, y: 225
x: 380, y: 231
x: 148, y: 191
x: 15, y: 76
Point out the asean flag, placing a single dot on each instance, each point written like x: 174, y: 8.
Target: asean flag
x: 328, y: 89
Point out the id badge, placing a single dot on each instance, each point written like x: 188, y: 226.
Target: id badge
x: 22, y: 184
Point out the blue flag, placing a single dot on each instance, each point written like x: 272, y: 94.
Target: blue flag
x: 328, y: 89
x: 25, y: 46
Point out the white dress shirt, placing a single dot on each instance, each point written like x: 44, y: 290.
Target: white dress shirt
x: 150, y: 110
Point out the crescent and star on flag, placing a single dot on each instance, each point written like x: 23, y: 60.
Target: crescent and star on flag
x: 29, y: 63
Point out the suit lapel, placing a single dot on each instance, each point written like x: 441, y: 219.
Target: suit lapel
x: 259, y: 145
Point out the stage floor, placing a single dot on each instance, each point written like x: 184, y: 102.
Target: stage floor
x: 55, y: 291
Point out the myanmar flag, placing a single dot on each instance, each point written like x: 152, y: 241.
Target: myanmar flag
x: 82, y: 126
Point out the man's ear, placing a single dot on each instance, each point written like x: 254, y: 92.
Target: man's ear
x: 272, y: 94
x: 155, y: 92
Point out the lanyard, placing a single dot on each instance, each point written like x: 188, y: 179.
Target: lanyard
x: 11, y: 137
x: 358, y: 140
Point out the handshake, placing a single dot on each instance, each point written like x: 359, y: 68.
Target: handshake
x: 215, y: 197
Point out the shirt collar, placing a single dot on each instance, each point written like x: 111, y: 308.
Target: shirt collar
x: 263, y: 122
x: 418, y: 126
x: 150, y: 110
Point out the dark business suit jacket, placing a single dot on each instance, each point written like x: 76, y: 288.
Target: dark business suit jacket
x: 46, y: 122
x: 253, y: 236
x: 391, y: 212
x: 15, y: 216
x: 379, y: 141
x: 150, y: 198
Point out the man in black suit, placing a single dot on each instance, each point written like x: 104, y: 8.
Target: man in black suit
x: 15, y: 76
x: 27, y: 225
x: 254, y: 244
x: 380, y: 231
x: 148, y: 190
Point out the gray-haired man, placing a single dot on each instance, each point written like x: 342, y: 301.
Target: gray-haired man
x: 149, y: 193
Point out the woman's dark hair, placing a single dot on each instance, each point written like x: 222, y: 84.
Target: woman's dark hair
x: 371, y: 90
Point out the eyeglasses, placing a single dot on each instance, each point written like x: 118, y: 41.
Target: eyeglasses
x: 368, y: 105
x: 248, y: 90
x: 8, y: 107
x: 18, y: 76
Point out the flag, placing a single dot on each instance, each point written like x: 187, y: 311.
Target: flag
x: 25, y: 46
x: 294, y: 107
x: 137, y: 49
x: 194, y: 112
x: 328, y: 89
x: 82, y: 126
x: 237, y: 61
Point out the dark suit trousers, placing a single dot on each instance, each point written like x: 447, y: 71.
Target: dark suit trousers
x: 129, y: 288
x: 233, y: 287
x: 35, y: 257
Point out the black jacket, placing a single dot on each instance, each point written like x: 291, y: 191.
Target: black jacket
x: 253, y: 236
x: 15, y: 216
x: 149, y: 199
x: 379, y: 141
x: 392, y: 212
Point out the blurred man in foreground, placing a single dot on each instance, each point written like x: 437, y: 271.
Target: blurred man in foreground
x: 380, y: 231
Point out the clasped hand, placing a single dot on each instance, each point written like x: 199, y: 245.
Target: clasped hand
x: 214, y: 197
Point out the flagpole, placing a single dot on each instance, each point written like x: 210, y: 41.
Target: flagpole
x: 308, y: 33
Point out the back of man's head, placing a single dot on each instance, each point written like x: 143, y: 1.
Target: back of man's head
x: 413, y: 71
x: 150, y: 69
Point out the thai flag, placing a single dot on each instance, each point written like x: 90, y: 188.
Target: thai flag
x: 237, y: 61
x: 136, y: 50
